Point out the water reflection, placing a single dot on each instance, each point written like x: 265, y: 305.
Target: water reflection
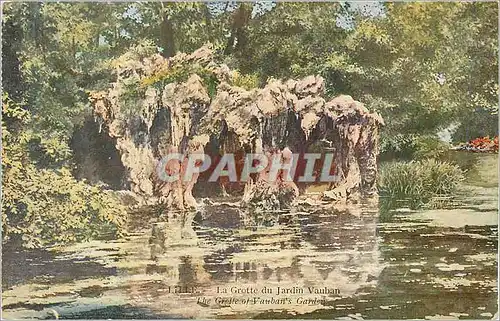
x: 422, y: 264
x: 175, y: 229
x: 317, y: 256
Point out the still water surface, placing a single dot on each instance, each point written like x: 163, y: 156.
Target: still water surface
x: 360, y: 264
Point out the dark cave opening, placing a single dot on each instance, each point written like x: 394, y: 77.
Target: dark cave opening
x: 96, y: 158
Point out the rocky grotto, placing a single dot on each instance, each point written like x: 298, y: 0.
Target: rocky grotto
x: 191, y: 103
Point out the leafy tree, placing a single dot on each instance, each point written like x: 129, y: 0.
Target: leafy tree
x: 425, y: 66
x: 43, y: 206
x: 293, y: 40
x: 46, y: 72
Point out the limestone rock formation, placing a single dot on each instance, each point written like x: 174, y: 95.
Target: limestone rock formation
x: 190, y: 104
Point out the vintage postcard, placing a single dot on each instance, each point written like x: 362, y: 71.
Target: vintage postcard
x: 249, y: 160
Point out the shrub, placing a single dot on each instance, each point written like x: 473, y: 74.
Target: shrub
x: 42, y: 204
x: 418, y: 182
x: 396, y: 146
x: 246, y: 81
x: 429, y: 147
x: 412, y: 147
x: 42, y: 207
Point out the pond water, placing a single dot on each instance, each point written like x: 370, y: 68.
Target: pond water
x: 358, y: 264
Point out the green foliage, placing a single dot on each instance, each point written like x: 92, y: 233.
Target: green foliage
x: 412, y: 146
x: 249, y: 81
x: 418, y: 182
x: 423, y: 66
x: 427, y: 146
x: 480, y: 122
x: 396, y: 146
x: 192, y: 24
x: 43, y: 206
x: 424, y: 61
x: 292, y: 40
x: 211, y: 82
x: 62, y: 50
x: 175, y: 73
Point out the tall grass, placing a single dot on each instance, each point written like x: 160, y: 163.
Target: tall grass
x: 418, y: 182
